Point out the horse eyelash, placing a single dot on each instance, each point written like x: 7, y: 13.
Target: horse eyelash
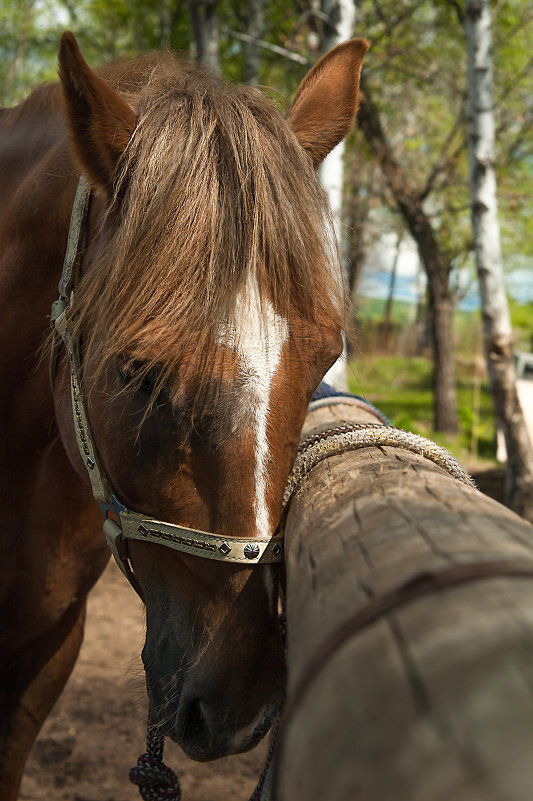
x: 132, y: 372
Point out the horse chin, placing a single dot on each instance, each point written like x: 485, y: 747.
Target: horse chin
x: 247, y: 740
x: 207, y: 751
x: 203, y: 745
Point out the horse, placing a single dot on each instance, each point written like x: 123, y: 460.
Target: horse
x: 200, y: 305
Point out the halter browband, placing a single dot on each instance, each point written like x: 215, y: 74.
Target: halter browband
x: 125, y: 523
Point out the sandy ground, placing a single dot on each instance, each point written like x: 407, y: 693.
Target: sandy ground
x: 97, y: 729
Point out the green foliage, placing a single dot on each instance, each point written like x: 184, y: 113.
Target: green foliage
x: 416, y: 69
x: 466, y: 324
x: 467, y: 327
x: 513, y: 84
x: 402, y: 389
x: 27, y: 48
x: 281, y: 28
x: 106, y: 30
x: 374, y: 309
x: 522, y: 322
x: 112, y: 29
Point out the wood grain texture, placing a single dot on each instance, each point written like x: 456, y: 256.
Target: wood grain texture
x: 434, y: 700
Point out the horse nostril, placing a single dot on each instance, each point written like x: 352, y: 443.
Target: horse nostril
x: 194, y: 721
x: 199, y: 735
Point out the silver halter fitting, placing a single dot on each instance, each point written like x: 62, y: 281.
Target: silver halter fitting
x: 125, y: 524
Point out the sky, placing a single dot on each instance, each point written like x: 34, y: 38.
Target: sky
x: 410, y: 281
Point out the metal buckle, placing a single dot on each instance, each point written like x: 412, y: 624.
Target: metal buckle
x: 112, y: 505
x: 113, y: 530
x: 58, y: 307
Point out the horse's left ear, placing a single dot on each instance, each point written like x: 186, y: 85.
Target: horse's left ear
x: 324, y: 108
x: 101, y: 122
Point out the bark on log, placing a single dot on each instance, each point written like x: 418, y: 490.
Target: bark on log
x: 434, y: 699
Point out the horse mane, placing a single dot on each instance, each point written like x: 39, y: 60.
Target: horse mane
x: 212, y: 191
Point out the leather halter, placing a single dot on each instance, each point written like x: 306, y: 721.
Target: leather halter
x: 125, y: 523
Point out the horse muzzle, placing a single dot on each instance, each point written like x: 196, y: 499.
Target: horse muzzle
x: 208, y: 729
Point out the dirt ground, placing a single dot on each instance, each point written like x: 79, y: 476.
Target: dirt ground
x: 97, y: 729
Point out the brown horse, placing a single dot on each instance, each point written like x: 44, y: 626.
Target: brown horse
x: 208, y: 310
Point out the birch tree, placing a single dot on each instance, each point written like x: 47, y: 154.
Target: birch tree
x: 339, y: 17
x: 497, y: 329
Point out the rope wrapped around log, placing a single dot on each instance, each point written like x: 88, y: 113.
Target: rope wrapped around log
x: 410, y: 630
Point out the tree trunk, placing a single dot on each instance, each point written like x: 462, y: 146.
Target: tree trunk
x: 392, y: 285
x: 339, y: 28
x: 409, y: 598
x: 497, y: 329
x: 203, y: 14
x: 165, y: 24
x: 359, y: 179
x: 441, y: 310
x: 435, y: 262
x: 250, y: 51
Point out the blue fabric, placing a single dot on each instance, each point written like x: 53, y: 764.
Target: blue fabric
x: 326, y: 391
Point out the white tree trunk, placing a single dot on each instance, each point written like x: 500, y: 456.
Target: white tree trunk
x: 497, y: 329
x: 481, y: 168
x: 341, y: 16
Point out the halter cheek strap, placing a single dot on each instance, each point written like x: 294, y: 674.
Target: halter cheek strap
x: 121, y: 524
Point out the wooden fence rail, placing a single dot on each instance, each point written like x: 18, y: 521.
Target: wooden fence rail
x: 410, y: 635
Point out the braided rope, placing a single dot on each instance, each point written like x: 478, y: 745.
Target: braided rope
x: 257, y: 794
x: 156, y: 781
x: 353, y: 436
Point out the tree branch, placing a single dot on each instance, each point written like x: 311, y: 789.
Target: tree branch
x: 459, y: 11
x: 445, y: 159
x: 280, y: 51
x: 406, y: 197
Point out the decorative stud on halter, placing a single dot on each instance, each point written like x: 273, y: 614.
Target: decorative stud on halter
x: 127, y: 524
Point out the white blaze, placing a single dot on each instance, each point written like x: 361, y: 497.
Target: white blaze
x: 257, y: 336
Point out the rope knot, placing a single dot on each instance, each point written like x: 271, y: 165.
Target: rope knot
x: 156, y: 782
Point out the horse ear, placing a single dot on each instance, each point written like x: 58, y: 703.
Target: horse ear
x: 101, y: 122
x: 324, y: 108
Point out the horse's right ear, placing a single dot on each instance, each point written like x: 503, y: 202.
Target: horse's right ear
x: 100, y: 121
x: 324, y: 108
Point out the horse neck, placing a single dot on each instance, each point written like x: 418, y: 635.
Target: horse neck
x: 39, y: 181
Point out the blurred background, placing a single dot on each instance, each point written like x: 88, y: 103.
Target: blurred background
x: 434, y: 347
x: 401, y: 191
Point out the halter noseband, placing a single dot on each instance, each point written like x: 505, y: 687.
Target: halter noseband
x: 125, y: 523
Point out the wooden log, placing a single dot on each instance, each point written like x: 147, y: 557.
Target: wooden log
x: 432, y: 698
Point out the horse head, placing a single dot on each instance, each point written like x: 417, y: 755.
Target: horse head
x: 209, y: 309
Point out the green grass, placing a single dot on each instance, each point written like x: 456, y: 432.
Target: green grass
x: 522, y: 320
x: 402, y: 388
x: 374, y: 308
x: 466, y: 324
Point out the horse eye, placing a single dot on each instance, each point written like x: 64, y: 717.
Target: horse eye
x: 134, y: 373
